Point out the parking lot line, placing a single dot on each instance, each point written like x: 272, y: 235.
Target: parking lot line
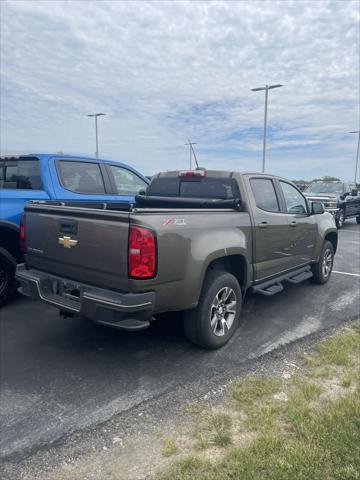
x: 347, y: 273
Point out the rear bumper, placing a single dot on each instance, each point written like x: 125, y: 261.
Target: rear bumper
x: 128, y: 311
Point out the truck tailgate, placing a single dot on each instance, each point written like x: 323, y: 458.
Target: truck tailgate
x: 87, y: 245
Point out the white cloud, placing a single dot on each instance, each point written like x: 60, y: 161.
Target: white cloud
x: 164, y: 71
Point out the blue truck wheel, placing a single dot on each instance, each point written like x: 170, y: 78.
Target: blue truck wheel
x: 8, y: 283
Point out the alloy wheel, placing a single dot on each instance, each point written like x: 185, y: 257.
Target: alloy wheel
x: 327, y: 262
x: 223, y: 311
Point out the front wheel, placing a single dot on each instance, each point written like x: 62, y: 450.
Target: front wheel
x: 358, y: 219
x: 340, y: 219
x: 323, y: 268
x: 213, y: 322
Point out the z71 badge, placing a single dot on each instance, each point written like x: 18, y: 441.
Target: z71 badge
x: 175, y: 221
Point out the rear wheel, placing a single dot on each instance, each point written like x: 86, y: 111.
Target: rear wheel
x: 213, y: 322
x: 358, y: 219
x: 323, y: 268
x: 340, y: 219
x: 8, y: 283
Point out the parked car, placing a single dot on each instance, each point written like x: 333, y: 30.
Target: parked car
x: 196, y: 242
x: 340, y: 199
x: 58, y: 178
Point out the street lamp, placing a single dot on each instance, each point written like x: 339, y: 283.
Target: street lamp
x: 266, y: 88
x: 96, y: 115
x: 357, y: 153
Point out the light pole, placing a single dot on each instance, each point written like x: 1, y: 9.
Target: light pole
x: 357, y: 153
x: 266, y: 88
x: 96, y: 115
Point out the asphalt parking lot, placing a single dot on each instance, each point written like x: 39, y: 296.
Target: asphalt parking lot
x: 61, y: 375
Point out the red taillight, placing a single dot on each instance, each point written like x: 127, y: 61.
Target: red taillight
x: 142, y: 252
x: 23, y: 233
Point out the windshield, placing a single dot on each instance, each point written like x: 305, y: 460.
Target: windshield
x: 325, y: 187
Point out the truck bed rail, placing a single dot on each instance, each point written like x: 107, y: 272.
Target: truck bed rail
x: 182, y: 202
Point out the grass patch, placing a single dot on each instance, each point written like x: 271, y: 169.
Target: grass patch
x: 212, y: 428
x: 245, y: 391
x: 324, y: 372
x: 338, y: 349
x: 327, y: 447
x: 309, y: 390
x: 307, y: 427
x: 346, y: 381
x: 169, y: 447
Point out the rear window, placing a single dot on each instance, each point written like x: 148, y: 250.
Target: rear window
x: 220, y: 188
x: 81, y: 177
x: 265, y: 195
x: 20, y: 174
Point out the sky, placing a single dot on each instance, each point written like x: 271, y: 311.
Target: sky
x: 164, y: 72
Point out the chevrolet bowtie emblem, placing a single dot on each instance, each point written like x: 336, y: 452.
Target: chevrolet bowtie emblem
x: 67, y: 242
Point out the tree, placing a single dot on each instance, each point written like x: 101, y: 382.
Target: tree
x: 326, y: 178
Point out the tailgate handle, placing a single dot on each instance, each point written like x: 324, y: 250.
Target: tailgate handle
x: 68, y: 226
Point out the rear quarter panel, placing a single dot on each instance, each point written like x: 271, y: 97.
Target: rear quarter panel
x: 187, y: 243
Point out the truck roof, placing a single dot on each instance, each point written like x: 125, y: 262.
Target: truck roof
x: 57, y: 155
x: 215, y: 173
x: 69, y: 156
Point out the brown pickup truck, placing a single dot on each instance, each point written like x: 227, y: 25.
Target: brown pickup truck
x: 195, y: 241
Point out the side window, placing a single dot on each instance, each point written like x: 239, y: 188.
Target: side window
x: 126, y: 182
x: 265, y: 195
x: 81, y: 177
x: 20, y: 175
x: 295, y: 202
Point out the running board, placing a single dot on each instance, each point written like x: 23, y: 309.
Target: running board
x: 300, y: 277
x: 271, y: 287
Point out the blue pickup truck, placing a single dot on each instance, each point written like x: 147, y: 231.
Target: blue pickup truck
x: 58, y: 178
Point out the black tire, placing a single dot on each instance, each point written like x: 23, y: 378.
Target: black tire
x: 197, y: 323
x: 340, y: 218
x: 320, y: 274
x: 8, y: 284
x: 358, y: 220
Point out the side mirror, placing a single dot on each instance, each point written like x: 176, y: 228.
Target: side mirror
x: 354, y: 192
x: 317, y: 208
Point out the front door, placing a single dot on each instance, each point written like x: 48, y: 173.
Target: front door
x: 273, y: 236
x: 302, y: 226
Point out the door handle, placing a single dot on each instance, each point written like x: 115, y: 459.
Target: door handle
x: 68, y: 226
x: 293, y: 223
x: 263, y: 225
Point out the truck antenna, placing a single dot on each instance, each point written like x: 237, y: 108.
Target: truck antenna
x: 192, y: 152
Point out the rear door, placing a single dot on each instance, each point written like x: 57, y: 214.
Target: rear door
x: 81, y: 180
x: 302, y: 227
x: 272, y: 249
